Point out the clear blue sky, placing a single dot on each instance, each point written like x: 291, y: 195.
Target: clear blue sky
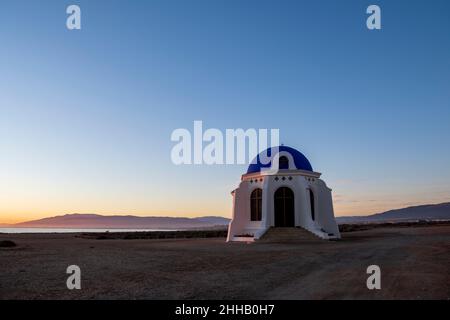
x: 86, y: 116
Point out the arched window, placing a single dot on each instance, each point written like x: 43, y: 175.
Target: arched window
x: 256, y: 205
x: 311, y: 201
x: 283, y: 162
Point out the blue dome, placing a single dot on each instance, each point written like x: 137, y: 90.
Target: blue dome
x: 301, y: 162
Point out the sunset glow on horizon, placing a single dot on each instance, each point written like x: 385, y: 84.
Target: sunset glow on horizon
x: 341, y: 209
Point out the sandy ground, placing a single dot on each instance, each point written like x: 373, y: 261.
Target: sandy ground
x: 414, y: 261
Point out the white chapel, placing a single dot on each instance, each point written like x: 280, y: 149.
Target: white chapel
x: 280, y: 189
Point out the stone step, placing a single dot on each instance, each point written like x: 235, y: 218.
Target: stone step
x: 275, y: 234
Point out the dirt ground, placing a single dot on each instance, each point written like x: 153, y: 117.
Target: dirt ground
x: 414, y: 262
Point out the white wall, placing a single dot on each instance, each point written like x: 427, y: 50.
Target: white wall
x: 300, y: 185
x: 241, y: 221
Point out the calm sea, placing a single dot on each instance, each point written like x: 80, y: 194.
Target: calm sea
x: 56, y: 230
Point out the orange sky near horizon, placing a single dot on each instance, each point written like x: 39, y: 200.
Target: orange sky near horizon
x: 27, y: 213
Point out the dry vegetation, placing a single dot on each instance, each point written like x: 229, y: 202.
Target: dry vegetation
x: 7, y: 244
x: 407, y: 224
x: 156, y: 235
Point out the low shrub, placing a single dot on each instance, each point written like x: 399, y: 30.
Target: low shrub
x: 7, y: 244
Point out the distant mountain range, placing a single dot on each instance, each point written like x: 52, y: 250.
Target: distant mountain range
x: 82, y: 221
x: 85, y: 221
x: 425, y: 212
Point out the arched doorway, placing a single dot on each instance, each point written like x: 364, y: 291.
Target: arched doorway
x: 284, y: 207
